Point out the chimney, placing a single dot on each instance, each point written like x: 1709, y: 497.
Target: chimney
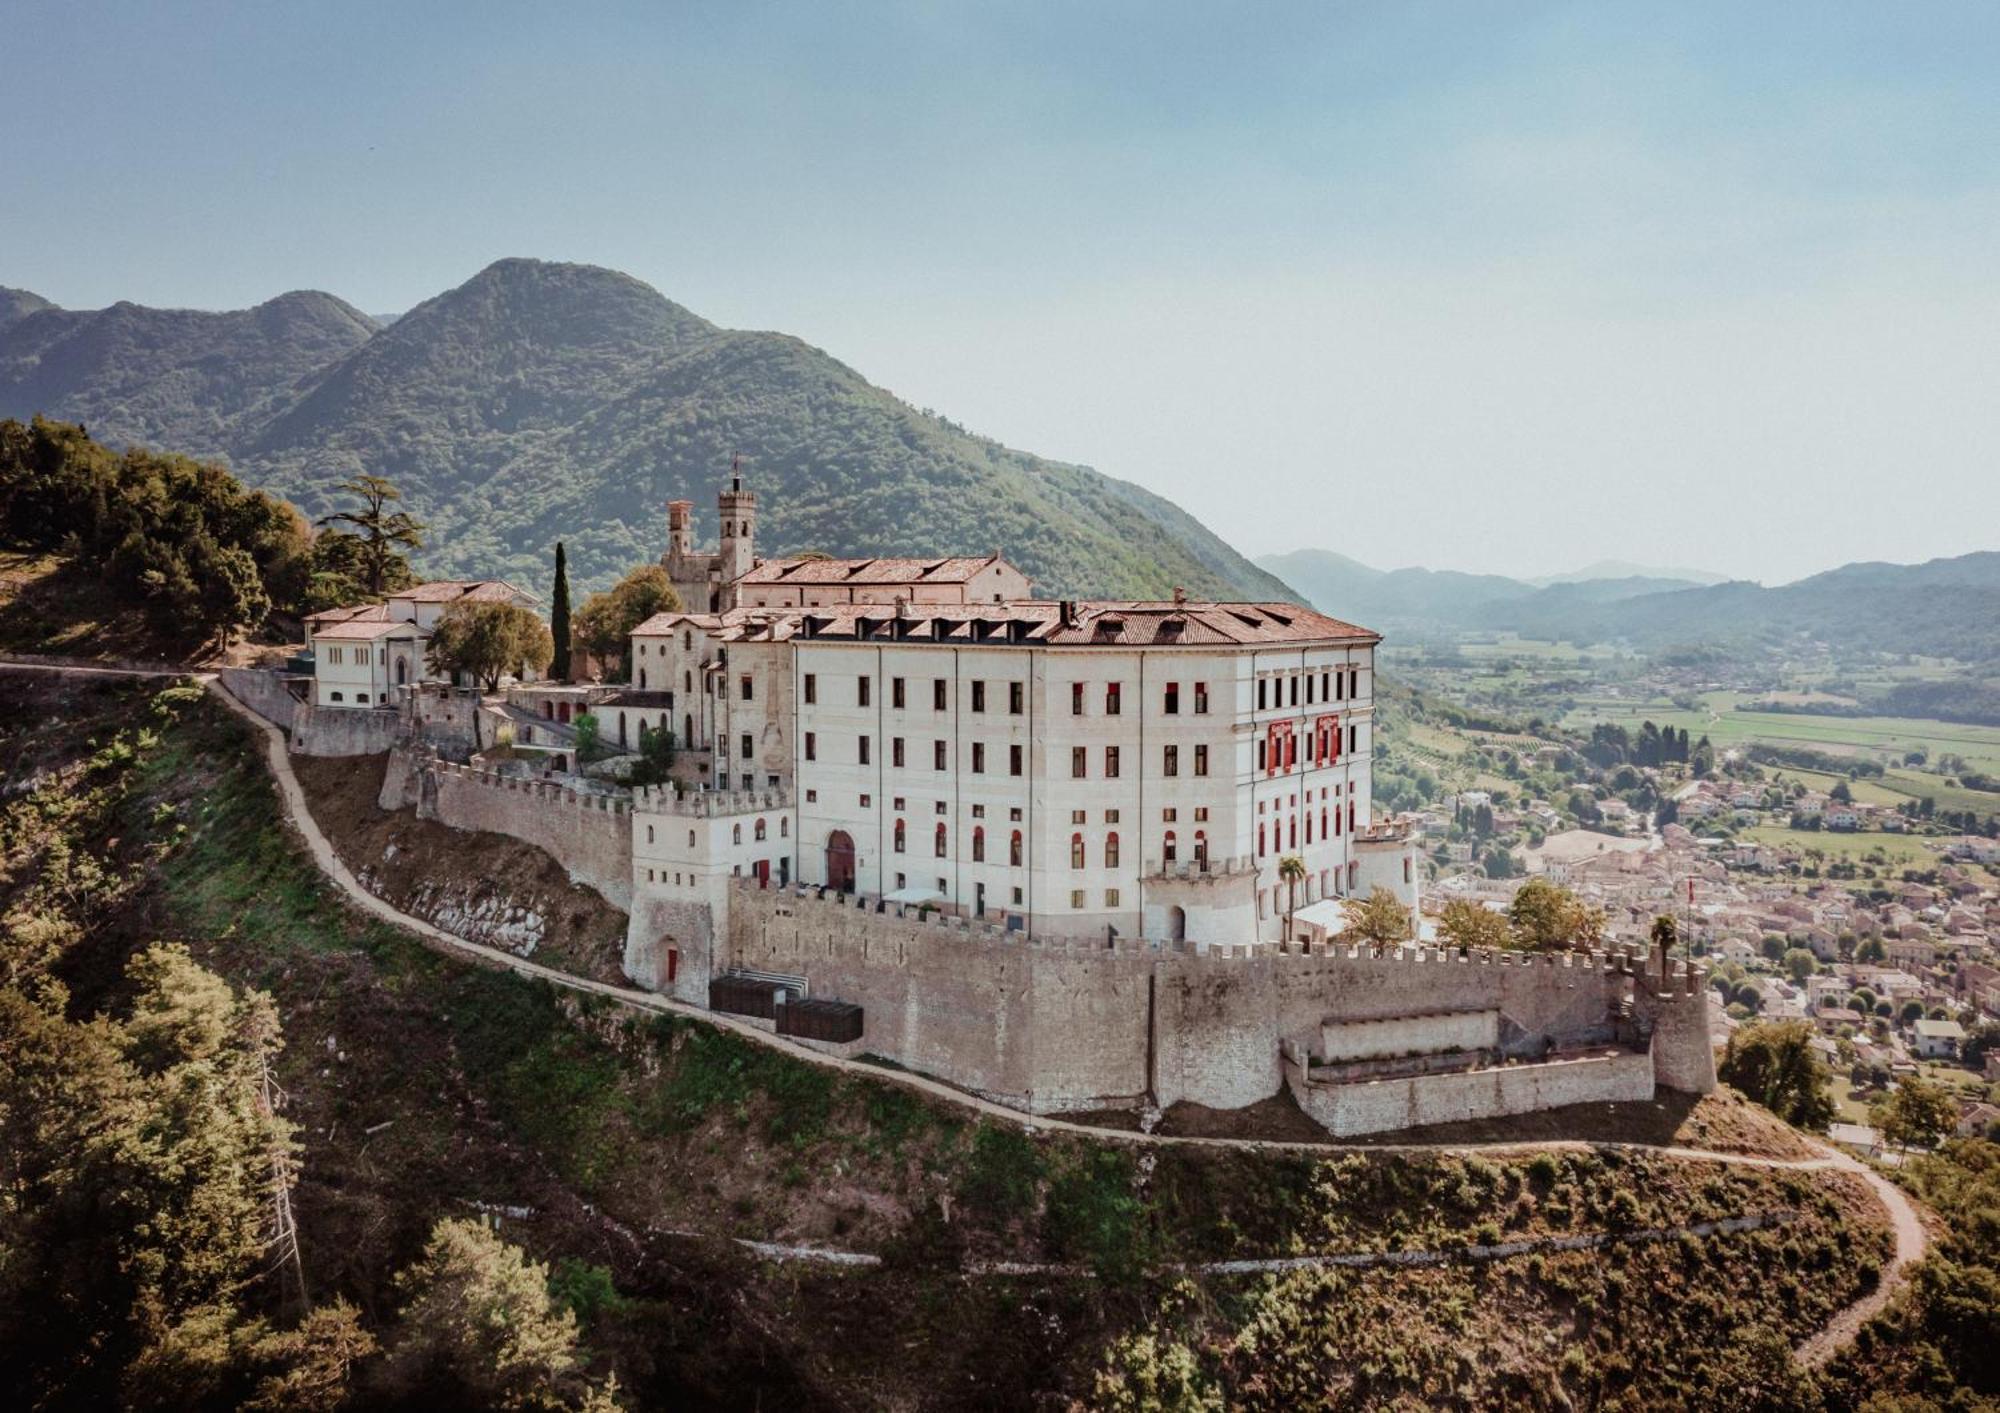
x: 1180, y: 597
x: 1068, y: 613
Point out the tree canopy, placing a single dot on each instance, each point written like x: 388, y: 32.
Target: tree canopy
x: 1379, y: 919
x: 1774, y: 1063
x: 605, y: 622
x: 488, y: 641
x: 1548, y: 917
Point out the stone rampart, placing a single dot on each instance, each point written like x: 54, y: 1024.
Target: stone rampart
x: 589, y: 835
x: 1348, y: 1110
x: 344, y: 731
x: 1054, y: 1025
x: 263, y: 691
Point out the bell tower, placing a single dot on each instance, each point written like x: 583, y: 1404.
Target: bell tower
x: 738, y: 508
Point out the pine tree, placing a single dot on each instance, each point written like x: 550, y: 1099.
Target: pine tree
x: 559, y: 617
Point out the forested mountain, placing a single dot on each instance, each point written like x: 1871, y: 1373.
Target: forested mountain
x: 539, y: 402
x: 1945, y: 608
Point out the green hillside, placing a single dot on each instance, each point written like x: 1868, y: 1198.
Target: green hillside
x: 539, y: 402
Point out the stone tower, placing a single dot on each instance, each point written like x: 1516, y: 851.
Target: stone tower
x: 680, y: 530
x: 739, y: 526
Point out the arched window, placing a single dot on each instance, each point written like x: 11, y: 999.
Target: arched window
x: 1201, y: 848
x: 1260, y: 841
x: 736, y: 834
x: 1111, y: 850
x: 1309, y: 826
x: 1294, y: 833
x: 1169, y: 850
x: 758, y: 832
x: 1014, y: 850
x: 940, y: 847
x: 978, y: 843
x: 642, y: 679
x: 1076, y: 851
x: 902, y: 836
x: 687, y: 642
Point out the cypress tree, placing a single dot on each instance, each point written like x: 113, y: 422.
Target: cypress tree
x: 559, y: 617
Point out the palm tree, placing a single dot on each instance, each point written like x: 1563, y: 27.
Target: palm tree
x: 383, y: 531
x: 1292, y: 869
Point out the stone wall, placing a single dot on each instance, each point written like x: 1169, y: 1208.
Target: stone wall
x: 1386, y: 1105
x: 263, y: 691
x: 589, y: 835
x: 1409, y: 1035
x: 1049, y: 1026
x: 344, y: 731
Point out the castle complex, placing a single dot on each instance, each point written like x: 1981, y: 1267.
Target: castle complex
x: 1048, y: 850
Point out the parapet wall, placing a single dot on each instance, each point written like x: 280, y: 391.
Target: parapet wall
x: 344, y: 731
x: 589, y: 835
x: 1049, y: 1026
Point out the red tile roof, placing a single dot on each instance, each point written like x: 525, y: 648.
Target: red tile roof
x: 831, y: 572
x: 1100, y: 623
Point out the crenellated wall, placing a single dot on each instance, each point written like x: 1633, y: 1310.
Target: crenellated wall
x: 1050, y: 1026
x: 589, y: 835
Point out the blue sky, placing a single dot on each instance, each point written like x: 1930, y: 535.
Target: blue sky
x: 1504, y: 288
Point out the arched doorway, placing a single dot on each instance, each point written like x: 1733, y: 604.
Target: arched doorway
x: 840, y: 861
x: 1177, y: 924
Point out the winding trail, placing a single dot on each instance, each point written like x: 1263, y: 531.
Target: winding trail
x: 1912, y: 1240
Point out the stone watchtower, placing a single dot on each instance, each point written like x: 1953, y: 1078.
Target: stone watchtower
x: 739, y: 528
x: 680, y: 530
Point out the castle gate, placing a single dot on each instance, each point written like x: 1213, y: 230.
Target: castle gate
x: 840, y: 861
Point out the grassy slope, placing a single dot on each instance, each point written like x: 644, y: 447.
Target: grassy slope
x: 422, y: 1086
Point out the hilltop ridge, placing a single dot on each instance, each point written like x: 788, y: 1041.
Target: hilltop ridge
x: 540, y: 401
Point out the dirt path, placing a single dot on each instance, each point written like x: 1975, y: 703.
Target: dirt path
x: 1912, y: 1240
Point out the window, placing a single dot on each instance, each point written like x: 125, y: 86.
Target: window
x: 1111, y: 850
x: 938, y: 749
x: 978, y: 694
x: 1309, y: 689
x: 1076, y: 851
x: 1079, y: 762
x: 1111, y: 816
x: 979, y: 811
x: 687, y: 642
x: 900, y: 837
x: 1173, y: 702
x: 747, y: 745
x: 1014, y: 850
x: 1201, y: 760
x: 1201, y: 812
x: 938, y: 694
x: 812, y: 746
x: 1013, y: 760
x: 1325, y: 686
x: 1354, y: 682
x: 758, y: 831
x: 1076, y: 897
x: 1017, y: 897
x: 1262, y: 755
x: 1171, y: 765
x: 862, y: 748
x: 896, y: 803
x: 939, y: 846
x: 1075, y: 697
x: 978, y: 844
x: 896, y: 751
x: 812, y: 797
x: 361, y: 697
x: 338, y: 697
x: 1295, y: 689
x: 978, y: 757
x: 896, y: 693
x: 1260, y: 840
x: 1079, y: 816
x: 1169, y: 850
x: 1201, y: 699
x: 649, y: 834
x: 1339, y: 686
x: 1353, y: 734
x: 784, y: 827
x: 1201, y: 848
x: 1017, y: 698
x: 1170, y: 814
x: 1262, y: 683
x: 861, y: 690
x: 1111, y: 698
x: 812, y: 688
x: 1111, y: 762
x: 747, y: 690
x: 736, y: 834
x: 1111, y: 897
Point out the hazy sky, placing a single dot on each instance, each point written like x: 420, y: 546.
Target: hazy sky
x: 1494, y: 287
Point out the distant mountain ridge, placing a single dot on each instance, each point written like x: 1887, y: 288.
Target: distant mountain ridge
x: 543, y: 401
x: 1943, y: 608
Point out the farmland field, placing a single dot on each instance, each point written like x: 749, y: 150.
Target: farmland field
x: 1880, y: 736
x: 1901, y: 850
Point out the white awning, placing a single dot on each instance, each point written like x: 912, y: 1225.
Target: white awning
x: 913, y: 897
x: 1326, y: 914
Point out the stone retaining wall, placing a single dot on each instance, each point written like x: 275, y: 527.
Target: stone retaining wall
x: 1348, y: 1110
x: 589, y: 835
x: 344, y: 731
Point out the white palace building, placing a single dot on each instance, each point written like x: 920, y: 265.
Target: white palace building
x: 926, y: 732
